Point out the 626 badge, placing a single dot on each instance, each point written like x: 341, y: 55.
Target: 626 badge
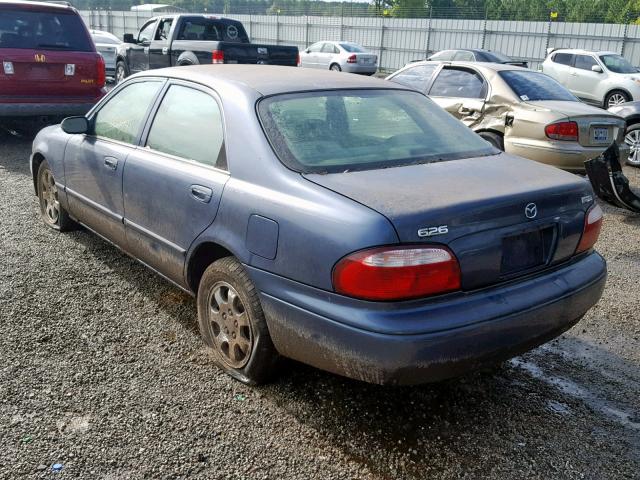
x: 431, y: 231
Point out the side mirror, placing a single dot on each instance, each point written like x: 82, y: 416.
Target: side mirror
x: 128, y: 38
x: 73, y: 125
x: 596, y: 68
x: 308, y: 50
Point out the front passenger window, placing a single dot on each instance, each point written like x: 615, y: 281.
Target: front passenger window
x: 121, y: 118
x: 189, y: 125
x: 584, y: 62
x: 415, y: 77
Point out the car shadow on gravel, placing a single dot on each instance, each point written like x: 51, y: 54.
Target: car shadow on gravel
x: 14, y: 151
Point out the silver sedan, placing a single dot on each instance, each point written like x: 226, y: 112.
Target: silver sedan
x: 339, y: 56
x: 107, y: 46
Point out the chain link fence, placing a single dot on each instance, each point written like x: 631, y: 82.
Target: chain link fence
x: 398, y: 41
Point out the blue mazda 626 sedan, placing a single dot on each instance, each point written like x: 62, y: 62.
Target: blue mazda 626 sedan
x: 345, y: 222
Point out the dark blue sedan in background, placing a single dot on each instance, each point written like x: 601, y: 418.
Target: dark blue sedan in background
x: 341, y: 221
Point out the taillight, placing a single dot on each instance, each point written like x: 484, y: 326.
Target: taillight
x: 217, y: 56
x: 591, y: 229
x: 298, y: 60
x: 397, y: 273
x: 562, y: 131
x: 352, y: 59
x: 101, y: 74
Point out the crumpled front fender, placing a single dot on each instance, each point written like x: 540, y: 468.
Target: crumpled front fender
x: 608, y: 181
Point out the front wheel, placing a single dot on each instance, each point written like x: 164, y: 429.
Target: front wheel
x: 232, y: 323
x: 632, y: 138
x: 335, y: 67
x: 53, y: 214
x: 617, y: 97
x: 121, y: 72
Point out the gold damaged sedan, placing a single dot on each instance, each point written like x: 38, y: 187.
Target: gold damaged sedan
x: 517, y: 110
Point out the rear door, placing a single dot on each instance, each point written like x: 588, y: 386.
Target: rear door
x: 139, y: 52
x: 173, y: 186
x: 583, y: 81
x: 159, y: 54
x: 560, y: 67
x: 94, y: 163
x: 461, y: 91
x: 46, y: 54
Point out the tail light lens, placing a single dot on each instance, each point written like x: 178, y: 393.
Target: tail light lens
x: 298, y: 60
x: 562, y: 131
x: 352, y: 59
x: 591, y: 229
x: 217, y: 56
x: 101, y: 74
x: 397, y: 273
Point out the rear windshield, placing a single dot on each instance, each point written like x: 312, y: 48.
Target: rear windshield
x: 43, y: 31
x: 533, y: 86
x: 209, y: 29
x: 618, y: 64
x: 336, y: 131
x: 352, y: 48
x: 99, y: 38
x: 497, y: 57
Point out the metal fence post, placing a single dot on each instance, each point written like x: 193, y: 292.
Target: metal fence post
x: 429, y: 31
x: 381, y: 45
x: 484, y: 29
x: 250, y: 27
x: 624, y: 36
x: 306, y: 31
x: 342, y: 22
x: 548, y: 37
x: 278, y: 27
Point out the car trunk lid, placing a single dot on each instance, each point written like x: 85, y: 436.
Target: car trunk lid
x: 597, y: 128
x: 502, y: 216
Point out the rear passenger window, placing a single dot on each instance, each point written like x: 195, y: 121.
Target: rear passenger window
x: 464, y: 56
x: 415, y: 77
x: 189, y: 125
x: 328, y: 48
x: 563, y: 58
x: 585, y: 62
x: 121, y: 118
x: 443, y: 56
x: 458, y: 83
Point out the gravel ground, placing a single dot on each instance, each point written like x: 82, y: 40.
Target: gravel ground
x: 102, y: 370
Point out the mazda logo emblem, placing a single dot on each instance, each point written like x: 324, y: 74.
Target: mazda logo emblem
x: 531, y: 211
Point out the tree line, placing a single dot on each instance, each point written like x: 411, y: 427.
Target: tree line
x: 606, y: 11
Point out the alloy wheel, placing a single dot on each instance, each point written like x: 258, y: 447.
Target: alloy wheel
x: 230, y: 326
x: 616, y: 99
x: 633, y: 140
x: 49, y: 197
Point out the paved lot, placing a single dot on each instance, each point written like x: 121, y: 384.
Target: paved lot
x: 102, y: 370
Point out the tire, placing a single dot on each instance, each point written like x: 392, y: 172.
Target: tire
x: 53, y: 214
x: 632, y: 138
x: 616, y: 97
x: 494, y: 139
x: 232, y: 323
x: 122, y: 72
x: 335, y: 67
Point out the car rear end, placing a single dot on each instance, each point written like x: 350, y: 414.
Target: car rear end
x: 355, y: 59
x: 549, y: 125
x: 494, y: 254
x: 50, y: 66
x: 107, y: 46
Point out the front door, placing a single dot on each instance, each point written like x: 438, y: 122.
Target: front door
x: 139, y: 52
x: 94, y: 163
x: 173, y: 186
x: 159, y: 55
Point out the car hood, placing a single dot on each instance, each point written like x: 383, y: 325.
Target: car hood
x: 467, y: 195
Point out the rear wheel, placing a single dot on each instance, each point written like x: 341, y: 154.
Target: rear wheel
x: 232, y: 323
x: 121, y: 71
x: 616, y: 97
x: 53, y: 214
x: 335, y: 67
x: 632, y: 138
x: 494, y: 139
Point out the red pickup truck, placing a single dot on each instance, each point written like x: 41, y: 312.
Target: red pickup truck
x: 49, y: 66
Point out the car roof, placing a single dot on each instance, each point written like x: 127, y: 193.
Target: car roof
x: 581, y: 50
x: 38, y: 6
x: 496, y: 67
x: 271, y: 79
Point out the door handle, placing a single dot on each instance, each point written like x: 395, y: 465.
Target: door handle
x: 111, y: 163
x: 165, y: 50
x: 200, y: 193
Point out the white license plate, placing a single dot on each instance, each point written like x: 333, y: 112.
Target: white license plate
x: 601, y: 134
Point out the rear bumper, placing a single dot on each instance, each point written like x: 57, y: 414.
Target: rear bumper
x: 423, y: 341
x: 568, y: 156
x: 355, y: 68
x: 44, y: 109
